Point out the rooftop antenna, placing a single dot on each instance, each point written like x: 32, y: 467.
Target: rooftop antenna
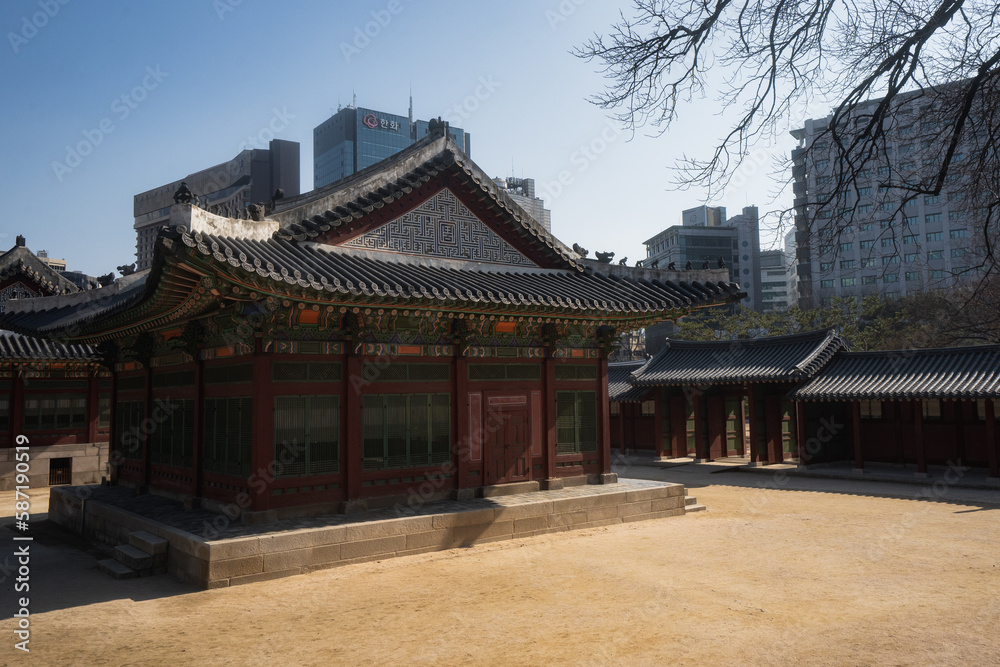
x: 354, y: 99
x: 411, y: 103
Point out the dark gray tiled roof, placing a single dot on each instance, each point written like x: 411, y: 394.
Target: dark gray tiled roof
x: 14, y: 347
x: 776, y: 359
x: 350, y: 273
x: 965, y: 372
x: 19, y: 261
x: 619, y: 387
x: 63, y: 314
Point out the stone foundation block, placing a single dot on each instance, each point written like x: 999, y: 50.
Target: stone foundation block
x: 463, y: 518
x: 515, y: 512
x: 137, y: 559
x: 600, y: 513
x: 380, y: 546
x: 375, y: 529
x: 631, y: 509
x: 301, y: 558
x: 235, y: 567
x: 654, y: 515
x: 464, y: 535
x: 440, y: 539
x: 663, y: 504
x: 530, y: 524
x: 646, y: 494
x: 567, y: 519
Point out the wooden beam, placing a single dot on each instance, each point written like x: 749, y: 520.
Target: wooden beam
x: 800, y: 432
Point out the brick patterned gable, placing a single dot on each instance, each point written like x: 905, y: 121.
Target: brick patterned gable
x: 441, y: 227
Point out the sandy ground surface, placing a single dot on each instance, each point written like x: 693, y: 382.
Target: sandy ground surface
x: 777, y: 571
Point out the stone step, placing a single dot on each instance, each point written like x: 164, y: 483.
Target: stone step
x: 151, y: 544
x: 137, y: 559
x: 113, y: 568
x: 694, y: 508
x: 690, y: 500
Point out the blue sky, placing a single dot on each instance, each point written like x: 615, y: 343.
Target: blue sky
x: 152, y: 91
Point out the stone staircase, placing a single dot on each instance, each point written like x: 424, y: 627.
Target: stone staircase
x: 691, y: 505
x: 144, y: 555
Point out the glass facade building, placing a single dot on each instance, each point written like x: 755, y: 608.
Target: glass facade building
x: 355, y: 138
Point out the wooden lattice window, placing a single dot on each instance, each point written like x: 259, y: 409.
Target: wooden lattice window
x: 54, y: 411
x: 576, y: 422
x: 406, y: 430
x: 171, y: 437
x: 306, y: 435
x: 227, y: 441
x: 128, y: 428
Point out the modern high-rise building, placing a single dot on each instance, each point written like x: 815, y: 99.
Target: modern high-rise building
x: 251, y: 177
x: 777, y: 281
x: 707, y: 236
x: 355, y: 138
x: 927, y: 245
x: 522, y: 191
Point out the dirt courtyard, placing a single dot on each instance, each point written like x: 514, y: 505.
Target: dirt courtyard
x: 775, y: 572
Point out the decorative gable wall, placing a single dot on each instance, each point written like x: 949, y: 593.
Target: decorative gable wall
x: 16, y: 290
x: 441, y: 227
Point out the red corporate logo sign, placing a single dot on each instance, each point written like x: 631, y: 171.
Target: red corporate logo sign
x: 370, y: 120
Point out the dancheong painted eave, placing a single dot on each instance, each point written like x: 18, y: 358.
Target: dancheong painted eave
x: 789, y: 358
x: 947, y: 373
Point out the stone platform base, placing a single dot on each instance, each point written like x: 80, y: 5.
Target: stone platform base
x: 209, y: 551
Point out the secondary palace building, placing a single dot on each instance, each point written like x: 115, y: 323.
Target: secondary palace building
x: 406, y: 330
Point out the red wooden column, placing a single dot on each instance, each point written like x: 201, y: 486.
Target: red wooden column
x: 658, y: 409
x: 754, y: 424
x: 800, y: 432
x: 743, y: 428
x: 461, y: 403
x: 604, y: 415
x: 93, y: 408
x: 991, y: 439
x: 918, y: 437
x: 678, y: 426
x: 352, y: 415
x: 859, y: 460
x: 262, y: 452
x: 549, y: 380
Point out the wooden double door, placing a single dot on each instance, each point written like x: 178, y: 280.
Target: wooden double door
x: 508, y: 444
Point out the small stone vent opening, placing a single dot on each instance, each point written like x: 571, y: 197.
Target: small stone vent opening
x: 60, y: 471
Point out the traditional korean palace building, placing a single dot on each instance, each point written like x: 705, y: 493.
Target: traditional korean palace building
x: 407, y: 327
x: 57, y: 396
x: 807, y: 399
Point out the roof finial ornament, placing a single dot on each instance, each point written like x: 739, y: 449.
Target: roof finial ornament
x: 183, y: 194
x: 19, y: 242
x: 437, y: 127
x: 623, y: 261
x: 127, y: 269
x: 688, y: 267
x: 722, y: 262
x: 580, y: 250
x: 604, y: 257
